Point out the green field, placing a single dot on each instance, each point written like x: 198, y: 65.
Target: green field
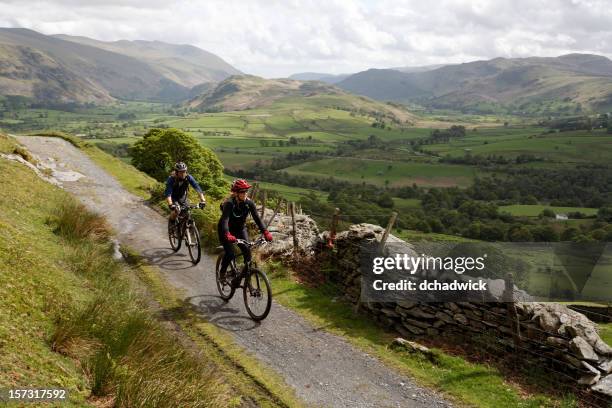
x: 523, y: 210
x: 383, y: 172
x: 575, y: 146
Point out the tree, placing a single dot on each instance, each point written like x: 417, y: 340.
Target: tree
x: 520, y: 234
x: 159, y: 149
x: 547, y: 213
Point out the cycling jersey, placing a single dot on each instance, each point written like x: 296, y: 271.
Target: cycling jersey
x: 234, y: 215
x: 178, y: 188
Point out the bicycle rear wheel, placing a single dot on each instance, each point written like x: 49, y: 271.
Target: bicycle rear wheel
x: 225, y: 288
x: 257, y: 295
x: 174, y: 235
x: 193, y: 243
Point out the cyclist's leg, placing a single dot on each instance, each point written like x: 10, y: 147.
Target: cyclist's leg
x: 244, y: 250
x: 228, y: 252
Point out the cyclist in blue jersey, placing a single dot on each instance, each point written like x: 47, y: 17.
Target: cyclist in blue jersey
x: 177, y: 187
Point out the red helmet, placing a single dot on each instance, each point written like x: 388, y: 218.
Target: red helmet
x: 240, y: 184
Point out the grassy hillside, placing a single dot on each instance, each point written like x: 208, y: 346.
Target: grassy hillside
x: 249, y: 92
x: 52, y: 69
x: 184, y: 64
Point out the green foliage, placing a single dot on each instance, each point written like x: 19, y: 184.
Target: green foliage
x: 159, y: 149
x: 547, y: 213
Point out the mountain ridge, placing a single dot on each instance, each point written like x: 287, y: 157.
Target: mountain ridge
x: 52, y: 69
x: 579, y: 80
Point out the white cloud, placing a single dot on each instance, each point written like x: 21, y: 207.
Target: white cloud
x: 276, y: 37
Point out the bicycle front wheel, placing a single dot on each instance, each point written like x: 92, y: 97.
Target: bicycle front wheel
x: 193, y: 243
x: 257, y: 295
x: 174, y: 235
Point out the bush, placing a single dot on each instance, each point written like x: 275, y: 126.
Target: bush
x: 156, y: 153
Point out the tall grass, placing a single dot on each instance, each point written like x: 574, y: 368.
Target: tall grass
x: 71, y: 220
x: 125, y: 351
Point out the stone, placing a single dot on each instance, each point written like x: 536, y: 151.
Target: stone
x: 461, y: 319
x: 547, y: 321
x: 557, y: 342
x: 417, y: 323
x: 604, y: 386
x: 572, y: 360
x: 406, y: 304
x: 582, y: 349
x: 401, y: 330
x: 605, y: 366
x: 385, y: 321
x: 420, y: 314
x: 591, y: 377
x: 389, y: 312
x: 413, y: 347
x: 413, y: 329
x: 438, y: 323
x: 433, y: 332
x: 444, y: 317
x: 453, y: 307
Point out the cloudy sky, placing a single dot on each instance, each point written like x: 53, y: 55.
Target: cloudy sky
x: 276, y: 38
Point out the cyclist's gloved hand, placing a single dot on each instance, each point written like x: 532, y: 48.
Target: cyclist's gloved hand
x: 230, y: 238
x: 201, y: 205
x: 267, y: 235
x: 173, y: 206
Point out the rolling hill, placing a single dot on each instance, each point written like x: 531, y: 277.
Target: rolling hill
x: 571, y: 83
x: 317, y: 76
x: 242, y: 92
x: 53, y: 69
x: 184, y: 64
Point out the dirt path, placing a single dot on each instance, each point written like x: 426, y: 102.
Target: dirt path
x: 324, y: 369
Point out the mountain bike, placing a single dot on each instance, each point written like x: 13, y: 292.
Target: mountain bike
x: 256, y: 289
x: 184, y: 228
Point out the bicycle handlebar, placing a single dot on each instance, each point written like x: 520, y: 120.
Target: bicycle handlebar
x: 259, y: 241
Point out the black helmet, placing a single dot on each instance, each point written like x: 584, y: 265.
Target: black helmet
x: 180, y: 166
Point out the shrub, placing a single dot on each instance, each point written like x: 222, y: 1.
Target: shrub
x: 156, y: 153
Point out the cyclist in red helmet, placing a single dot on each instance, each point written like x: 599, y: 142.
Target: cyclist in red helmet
x: 232, y: 224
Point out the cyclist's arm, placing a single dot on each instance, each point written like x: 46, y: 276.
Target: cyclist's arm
x: 253, y: 210
x: 225, y: 214
x: 168, y: 191
x: 196, y: 186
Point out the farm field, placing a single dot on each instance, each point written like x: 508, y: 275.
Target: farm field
x: 524, y: 210
x: 388, y: 173
x: 574, y: 146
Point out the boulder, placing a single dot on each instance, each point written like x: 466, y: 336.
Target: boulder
x: 592, y: 375
x: 604, y: 386
x: 581, y: 349
x: 413, y: 347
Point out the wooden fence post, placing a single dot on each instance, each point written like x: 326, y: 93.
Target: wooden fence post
x: 383, y: 241
x: 263, y: 202
x: 511, y: 309
x: 333, y: 228
x: 254, y: 192
x: 276, y: 210
x: 294, y: 233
